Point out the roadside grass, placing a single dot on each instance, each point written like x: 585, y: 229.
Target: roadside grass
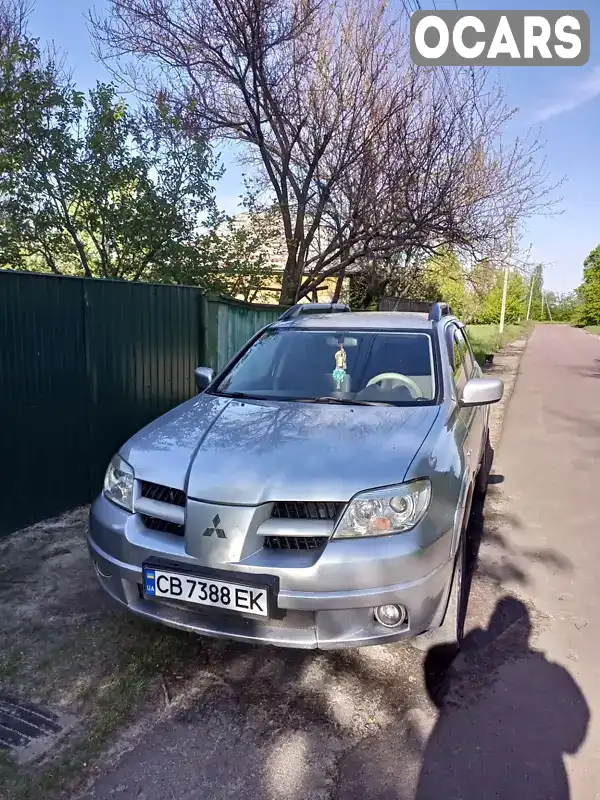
x: 485, y: 339
x: 65, y: 647
x: 593, y: 329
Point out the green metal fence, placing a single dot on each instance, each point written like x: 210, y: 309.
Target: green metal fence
x: 85, y: 363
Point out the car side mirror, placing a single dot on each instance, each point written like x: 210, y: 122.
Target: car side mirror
x: 482, y: 392
x: 204, y: 377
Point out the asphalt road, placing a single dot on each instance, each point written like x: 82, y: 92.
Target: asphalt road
x: 513, y: 718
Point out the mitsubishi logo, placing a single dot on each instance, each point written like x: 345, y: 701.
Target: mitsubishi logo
x: 215, y: 528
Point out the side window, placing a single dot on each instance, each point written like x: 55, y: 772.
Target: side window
x: 462, y: 359
x: 476, y: 367
x: 469, y: 360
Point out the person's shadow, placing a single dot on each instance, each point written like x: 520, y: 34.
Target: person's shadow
x: 507, y: 716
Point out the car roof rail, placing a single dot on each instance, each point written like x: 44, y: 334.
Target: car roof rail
x: 439, y: 310
x: 300, y: 309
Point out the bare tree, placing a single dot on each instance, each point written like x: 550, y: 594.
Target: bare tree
x: 307, y: 83
x: 13, y: 21
x: 370, y: 160
x: 441, y: 176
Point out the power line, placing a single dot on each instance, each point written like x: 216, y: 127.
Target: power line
x: 408, y: 10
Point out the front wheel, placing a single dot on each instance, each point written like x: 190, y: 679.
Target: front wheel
x: 481, y: 481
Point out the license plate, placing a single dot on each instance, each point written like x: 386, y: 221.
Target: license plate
x: 203, y: 591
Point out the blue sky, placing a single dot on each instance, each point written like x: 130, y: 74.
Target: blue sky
x: 562, y: 102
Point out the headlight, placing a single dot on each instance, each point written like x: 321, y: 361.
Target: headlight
x: 382, y: 511
x: 118, y: 483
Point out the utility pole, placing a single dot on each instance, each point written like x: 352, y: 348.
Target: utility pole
x: 530, y: 295
x: 542, y: 296
x: 533, y: 287
x: 511, y: 223
x: 548, y: 307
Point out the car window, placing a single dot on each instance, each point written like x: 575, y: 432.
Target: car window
x: 476, y: 367
x: 369, y: 366
x: 468, y: 353
x: 462, y: 359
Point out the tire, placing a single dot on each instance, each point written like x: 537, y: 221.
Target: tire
x: 481, y: 481
x: 450, y: 632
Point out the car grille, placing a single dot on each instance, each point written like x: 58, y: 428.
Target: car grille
x: 316, y: 510
x: 162, y: 525
x: 168, y: 496
x: 164, y: 494
x: 295, y: 542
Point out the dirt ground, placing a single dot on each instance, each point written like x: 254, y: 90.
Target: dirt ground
x: 113, y: 678
x: 66, y: 647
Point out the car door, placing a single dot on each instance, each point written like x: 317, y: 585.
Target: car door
x: 465, y: 368
x: 481, y: 413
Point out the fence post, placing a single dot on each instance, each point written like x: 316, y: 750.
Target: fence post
x: 91, y: 385
x: 202, y: 329
x: 210, y: 329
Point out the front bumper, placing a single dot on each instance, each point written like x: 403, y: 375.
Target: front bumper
x: 317, y: 608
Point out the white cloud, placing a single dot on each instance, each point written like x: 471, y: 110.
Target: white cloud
x: 585, y: 89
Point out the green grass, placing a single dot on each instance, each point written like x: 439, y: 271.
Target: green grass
x: 593, y: 329
x: 486, y: 339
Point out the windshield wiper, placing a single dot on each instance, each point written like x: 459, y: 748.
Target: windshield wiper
x: 344, y: 402
x: 240, y: 396
x: 332, y: 400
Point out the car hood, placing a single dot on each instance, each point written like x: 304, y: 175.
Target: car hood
x: 250, y: 452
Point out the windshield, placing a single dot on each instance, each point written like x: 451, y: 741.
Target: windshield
x: 335, y: 366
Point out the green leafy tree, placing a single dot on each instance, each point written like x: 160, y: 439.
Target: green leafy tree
x: 466, y: 290
x: 236, y: 257
x: 88, y: 187
x: 536, y: 287
x: 588, y: 312
x: 563, y: 307
x: 516, y: 300
x: 29, y: 95
x: 483, y: 277
x: 445, y: 273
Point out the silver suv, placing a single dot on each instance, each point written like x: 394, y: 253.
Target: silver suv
x: 315, y: 493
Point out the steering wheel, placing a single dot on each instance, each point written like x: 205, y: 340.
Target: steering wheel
x: 397, y: 378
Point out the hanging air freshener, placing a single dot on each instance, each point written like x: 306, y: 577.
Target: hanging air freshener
x: 339, y: 373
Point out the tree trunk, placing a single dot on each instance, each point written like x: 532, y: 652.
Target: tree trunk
x: 80, y: 247
x: 339, y: 284
x: 290, y: 281
x: 366, y: 301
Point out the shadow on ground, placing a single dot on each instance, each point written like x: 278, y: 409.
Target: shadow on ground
x: 506, y: 717
x: 510, y: 739
x: 509, y: 564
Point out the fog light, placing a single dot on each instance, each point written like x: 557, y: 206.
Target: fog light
x: 100, y: 573
x: 389, y: 615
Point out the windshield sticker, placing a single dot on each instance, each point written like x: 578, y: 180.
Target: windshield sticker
x: 339, y: 373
